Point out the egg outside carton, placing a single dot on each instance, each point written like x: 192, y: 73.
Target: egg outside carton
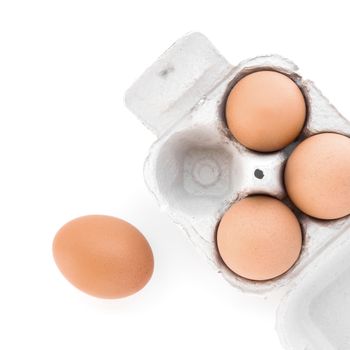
x: 197, y: 170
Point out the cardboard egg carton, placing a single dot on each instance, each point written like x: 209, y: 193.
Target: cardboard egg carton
x: 197, y: 170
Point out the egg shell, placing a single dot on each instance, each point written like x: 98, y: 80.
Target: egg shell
x: 265, y: 111
x: 103, y: 256
x: 317, y: 176
x: 259, y: 238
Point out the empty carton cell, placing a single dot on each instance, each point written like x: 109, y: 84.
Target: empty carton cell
x: 194, y: 170
x: 206, y: 171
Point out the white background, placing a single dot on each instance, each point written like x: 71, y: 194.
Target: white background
x: 69, y: 147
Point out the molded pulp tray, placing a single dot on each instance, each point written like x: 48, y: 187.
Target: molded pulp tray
x: 196, y: 170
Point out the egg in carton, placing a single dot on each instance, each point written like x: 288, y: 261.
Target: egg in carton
x: 197, y: 170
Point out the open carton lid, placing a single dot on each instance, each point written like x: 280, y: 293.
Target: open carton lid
x: 180, y: 98
x: 316, y: 313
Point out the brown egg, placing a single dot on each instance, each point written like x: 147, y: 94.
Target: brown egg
x: 317, y: 176
x: 103, y: 256
x: 259, y: 238
x: 265, y: 111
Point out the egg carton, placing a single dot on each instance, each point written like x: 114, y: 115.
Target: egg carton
x: 197, y: 170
